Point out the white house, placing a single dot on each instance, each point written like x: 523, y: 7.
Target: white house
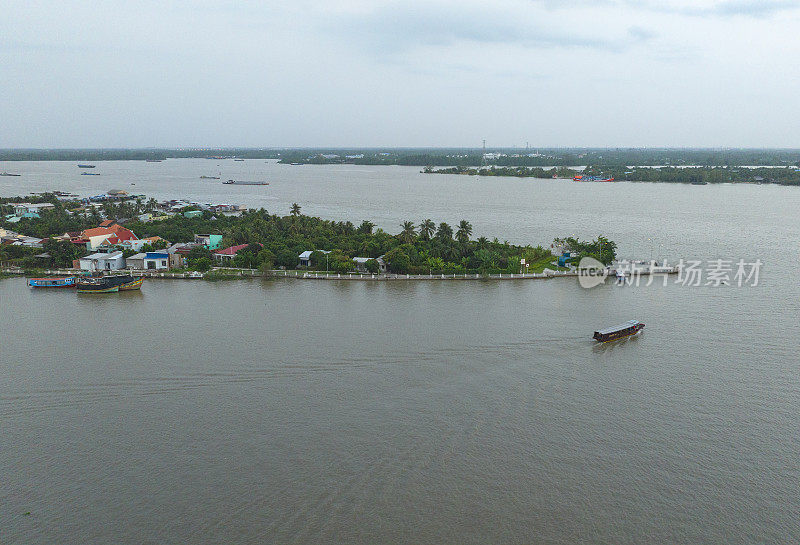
x: 305, y: 257
x: 361, y: 264
x: 156, y: 260
x: 28, y: 208
x: 103, y: 262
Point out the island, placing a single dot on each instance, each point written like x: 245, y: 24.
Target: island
x: 60, y: 230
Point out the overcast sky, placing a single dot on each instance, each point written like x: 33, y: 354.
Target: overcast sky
x: 407, y: 73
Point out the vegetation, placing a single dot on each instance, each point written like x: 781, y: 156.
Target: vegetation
x: 687, y: 175
x: 275, y: 241
x: 465, y: 157
x: 601, y: 248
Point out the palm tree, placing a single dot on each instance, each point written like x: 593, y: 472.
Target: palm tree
x: 366, y: 227
x: 464, y: 231
x: 444, y: 232
x: 426, y: 229
x: 408, y: 232
x: 482, y: 242
x: 295, y: 209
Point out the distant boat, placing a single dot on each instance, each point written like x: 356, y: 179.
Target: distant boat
x: 699, y: 182
x: 85, y: 166
x: 584, y: 178
x: 238, y: 159
x: 243, y: 182
x: 209, y: 177
x: 90, y: 173
x: 620, y: 331
x: 63, y: 282
x: 9, y: 174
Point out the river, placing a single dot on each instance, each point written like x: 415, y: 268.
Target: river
x: 294, y: 411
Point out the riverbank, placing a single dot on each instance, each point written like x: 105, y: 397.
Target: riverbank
x: 237, y: 274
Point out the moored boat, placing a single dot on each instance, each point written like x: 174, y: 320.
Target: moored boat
x: 585, y: 178
x: 53, y: 282
x: 620, y: 331
x: 135, y: 284
x: 108, y: 284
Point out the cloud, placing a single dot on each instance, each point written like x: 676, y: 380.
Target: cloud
x: 397, y: 28
x: 726, y: 8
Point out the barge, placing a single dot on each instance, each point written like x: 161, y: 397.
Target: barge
x: 244, y: 182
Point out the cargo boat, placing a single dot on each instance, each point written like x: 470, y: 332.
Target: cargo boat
x: 109, y: 284
x: 8, y: 174
x: 85, y: 166
x: 618, y: 331
x: 61, y: 282
x: 242, y: 182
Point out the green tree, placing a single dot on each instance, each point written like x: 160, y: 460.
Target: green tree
x: 295, y: 209
x: 397, y: 261
x: 203, y: 264
x: 426, y: 229
x: 366, y: 227
x: 407, y: 234
x: 372, y: 266
x: 444, y: 232
x: 464, y: 231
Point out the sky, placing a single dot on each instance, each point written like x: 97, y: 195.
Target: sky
x: 601, y: 73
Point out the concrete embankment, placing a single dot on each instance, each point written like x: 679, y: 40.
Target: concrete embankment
x: 315, y: 275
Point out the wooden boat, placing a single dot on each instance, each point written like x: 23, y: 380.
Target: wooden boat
x: 108, y: 284
x: 133, y: 285
x: 620, y: 331
x: 53, y: 282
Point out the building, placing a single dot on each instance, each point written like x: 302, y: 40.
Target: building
x: 22, y: 208
x: 229, y: 253
x: 112, y: 233
x: 176, y: 259
x: 193, y: 214
x: 305, y: 257
x: 361, y: 264
x: 103, y: 262
x: 213, y: 242
x: 135, y: 262
x: 156, y: 261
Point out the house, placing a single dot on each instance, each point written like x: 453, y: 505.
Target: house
x: 229, y: 253
x: 22, y: 208
x: 136, y: 261
x: 103, y: 262
x: 305, y: 257
x: 361, y: 264
x: 111, y: 234
x: 177, y: 260
x: 30, y: 242
x: 213, y: 242
x: 156, y: 260
x: 193, y: 214
x: 137, y: 244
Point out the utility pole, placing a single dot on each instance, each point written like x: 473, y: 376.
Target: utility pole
x: 483, y: 156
